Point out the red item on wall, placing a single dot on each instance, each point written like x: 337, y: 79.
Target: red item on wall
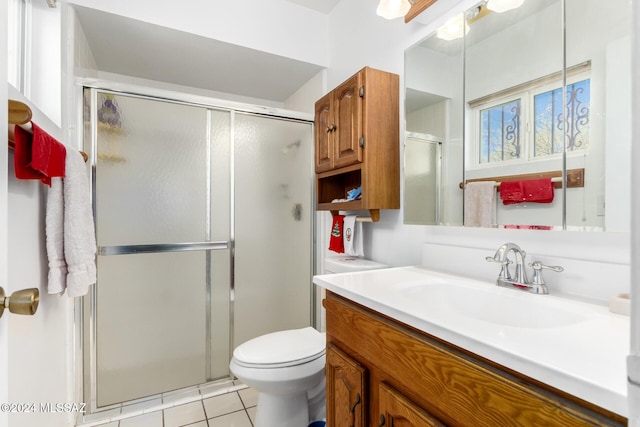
x: 530, y: 190
x: 38, y: 155
x: 336, y: 242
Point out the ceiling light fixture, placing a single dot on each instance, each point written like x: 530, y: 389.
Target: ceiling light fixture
x: 500, y: 6
x: 391, y: 9
x: 454, y: 28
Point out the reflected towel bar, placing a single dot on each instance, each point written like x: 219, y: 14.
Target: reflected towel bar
x: 575, y: 178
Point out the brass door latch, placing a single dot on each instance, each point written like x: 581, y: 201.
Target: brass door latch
x: 24, y: 301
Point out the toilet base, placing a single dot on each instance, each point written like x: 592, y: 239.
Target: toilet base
x: 288, y: 410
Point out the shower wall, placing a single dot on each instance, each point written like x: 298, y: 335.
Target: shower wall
x: 203, y: 219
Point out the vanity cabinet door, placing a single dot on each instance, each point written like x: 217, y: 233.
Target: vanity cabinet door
x: 398, y: 411
x: 345, y: 390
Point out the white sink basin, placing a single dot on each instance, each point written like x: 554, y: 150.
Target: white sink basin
x: 505, y: 307
x: 575, y: 346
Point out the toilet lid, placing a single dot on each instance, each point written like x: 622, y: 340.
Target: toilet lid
x: 280, y: 349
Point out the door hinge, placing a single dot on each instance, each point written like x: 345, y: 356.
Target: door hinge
x: 362, y: 141
x: 362, y: 91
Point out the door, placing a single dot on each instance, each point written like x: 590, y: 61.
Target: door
x: 346, y: 380
x: 272, y: 225
x: 4, y: 341
x: 347, y: 107
x: 161, y: 194
x: 398, y: 411
x: 422, y: 179
x: 324, y: 131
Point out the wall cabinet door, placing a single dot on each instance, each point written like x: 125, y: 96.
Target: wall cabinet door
x: 338, y: 121
x: 324, y: 134
x: 348, y: 117
x: 396, y: 410
x: 346, y: 397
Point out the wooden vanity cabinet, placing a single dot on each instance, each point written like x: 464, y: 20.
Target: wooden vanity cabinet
x: 347, y: 379
x: 406, y: 378
x: 357, y: 142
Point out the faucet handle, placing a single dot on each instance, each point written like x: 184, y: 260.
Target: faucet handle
x: 537, y: 271
x: 497, y: 261
x: 504, y: 271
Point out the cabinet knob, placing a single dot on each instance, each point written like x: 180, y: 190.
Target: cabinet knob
x: 331, y: 128
x: 382, y: 420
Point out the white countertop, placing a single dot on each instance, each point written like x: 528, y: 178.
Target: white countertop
x: 586, y: 358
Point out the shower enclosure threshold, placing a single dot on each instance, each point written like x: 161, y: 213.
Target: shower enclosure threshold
x: 137, y: 407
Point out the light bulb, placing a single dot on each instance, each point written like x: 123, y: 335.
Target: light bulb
x: 453, y: 29
x: 391, y: 9
x: 500, y: 6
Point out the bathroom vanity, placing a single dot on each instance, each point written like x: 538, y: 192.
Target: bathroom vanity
x: 399, y: 354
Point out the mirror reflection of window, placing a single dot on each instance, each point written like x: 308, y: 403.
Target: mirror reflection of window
x: 529, y: 124
x: 550, y: 116
x: 500, y: 132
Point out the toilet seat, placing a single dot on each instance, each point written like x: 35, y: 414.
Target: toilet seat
x: 281, y: 349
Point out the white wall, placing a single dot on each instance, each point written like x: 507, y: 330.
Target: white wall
x: 277, y: 26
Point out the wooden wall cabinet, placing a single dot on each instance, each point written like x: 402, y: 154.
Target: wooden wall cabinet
x: 408, y: 378
x: 357, y: 137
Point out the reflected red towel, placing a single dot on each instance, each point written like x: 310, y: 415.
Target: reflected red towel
x: 336, y: 242
x: 38, y: 155
x: 531, y: 190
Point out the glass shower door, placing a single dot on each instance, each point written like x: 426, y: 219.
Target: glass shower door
x: 273, y: 225
x: 163, y: 269
x: 423, y: 177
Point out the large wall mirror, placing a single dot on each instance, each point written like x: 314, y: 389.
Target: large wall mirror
x: 513, y: 91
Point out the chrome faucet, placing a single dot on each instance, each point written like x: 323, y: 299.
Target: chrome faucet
x: 520, y: 281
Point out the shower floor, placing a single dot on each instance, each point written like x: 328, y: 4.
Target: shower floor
x: 212, y: 405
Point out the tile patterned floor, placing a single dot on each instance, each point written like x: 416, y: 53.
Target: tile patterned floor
x: 219, y: 405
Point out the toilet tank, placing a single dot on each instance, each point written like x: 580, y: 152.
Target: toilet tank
x: 349, y: 264
x: 341, y: 264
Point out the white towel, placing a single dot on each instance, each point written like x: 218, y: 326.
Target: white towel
x: 480, y: 201
x: 71, y: 243
x: 352, y: 234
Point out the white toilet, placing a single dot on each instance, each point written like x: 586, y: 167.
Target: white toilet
x: 287, y: 368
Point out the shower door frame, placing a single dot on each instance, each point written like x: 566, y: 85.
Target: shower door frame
x: 210, y: 104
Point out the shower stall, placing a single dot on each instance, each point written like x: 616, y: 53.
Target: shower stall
x: 204, y: 230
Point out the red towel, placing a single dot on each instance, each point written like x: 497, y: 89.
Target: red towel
x: 336, y: 242
x: 531, y: 190
x: 38, y: 155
